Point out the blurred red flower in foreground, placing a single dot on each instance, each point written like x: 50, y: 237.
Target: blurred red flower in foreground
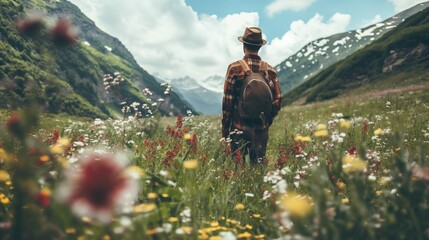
x: 98, y: 186
x: 64, y: 32
x: 30, y: 23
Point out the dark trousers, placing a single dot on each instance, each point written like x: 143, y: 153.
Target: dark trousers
x: 252, y: 142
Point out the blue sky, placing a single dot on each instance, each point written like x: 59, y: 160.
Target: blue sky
x: 198, y: 38
x: 362, y: 12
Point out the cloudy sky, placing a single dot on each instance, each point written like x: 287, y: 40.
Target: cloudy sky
x: 198, y: 38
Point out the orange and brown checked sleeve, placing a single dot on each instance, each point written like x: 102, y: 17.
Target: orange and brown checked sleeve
x: 229, y: 93
x: 227, y: 102
x: 277, y: 102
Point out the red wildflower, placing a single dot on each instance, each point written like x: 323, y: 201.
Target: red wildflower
x: 194, y: 144
x: 228, y: 151
x: 98, y: 186
x: 352, y: 151
x: 227, y: 174
x: 44, y: 197
x: 30, y: 24
x: 179, y: 121
x: 365, y: 127
x: 64, y: 32
x: 168, y: 160
x: 14, y: 125
x: 238, y: 157
x: 55, y: 137
x: 282, y: 160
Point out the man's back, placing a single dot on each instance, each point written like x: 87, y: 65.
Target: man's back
x: 233, y: 83
x: 249, y: 135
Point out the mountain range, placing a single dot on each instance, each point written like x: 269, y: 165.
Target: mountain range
x: 206, y: 95
x: 69, y: 79
x: 400, y: 58
x: 322, y: 53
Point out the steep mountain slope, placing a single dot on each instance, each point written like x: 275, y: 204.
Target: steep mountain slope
x: 322, y: 53
x: 69, y: 79
x: 399, y: 58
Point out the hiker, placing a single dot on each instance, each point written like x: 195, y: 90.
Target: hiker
x: 251, y: 99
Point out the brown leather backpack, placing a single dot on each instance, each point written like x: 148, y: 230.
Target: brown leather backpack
x: 256, y: 97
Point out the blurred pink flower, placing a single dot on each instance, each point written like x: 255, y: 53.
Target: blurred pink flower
x: 64, y: 32
x: 98, y: 186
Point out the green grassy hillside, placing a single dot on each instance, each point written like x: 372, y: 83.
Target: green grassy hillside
x: 68, y: 79
x: 399, y: 58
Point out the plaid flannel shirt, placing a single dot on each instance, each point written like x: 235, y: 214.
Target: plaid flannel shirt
x: 233, y: 80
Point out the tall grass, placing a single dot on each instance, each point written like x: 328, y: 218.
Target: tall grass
x: 345, y: 169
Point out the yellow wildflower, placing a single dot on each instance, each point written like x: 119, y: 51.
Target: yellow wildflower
x: 57, y: 149
x: 321, y: 133
x: 44, y: 158
x: 378, y: 193
x: 385, y: 180
x: 300, y: 138
x: 46, y: 192
x: 70, y: 231
x: 244, y: 235
x: 203, y: 235
x: 256, y: 215
x: 248, y: 226
x: 152, y: 195
x: 353, y: 164
x: 345, y: 200
x: 232, y: 221
x: 135, y: 171
x: 215, y: 238
x: 164, y: 195
x: 190, y: 164
x: 320, y: 127
x: 3, y: 199
x: 378, y: 132
x: 345, y: 124
x: 145, y: 208
x: 306, y: 139
x: 187, y: 136
x: 173, y: 219
x: 187, y: 230
x: 105, y: 237
x: 86, y: 219
x: 296, y: 204
x: 4, y: 176
x: 214, y: 224
x: 4, y: 155
x: 260, y: 236
x: 239, y: 206
x: 151, y: 232
x: 341, y: 185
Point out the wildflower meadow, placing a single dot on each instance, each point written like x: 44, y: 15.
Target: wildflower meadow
x: 351, y: 168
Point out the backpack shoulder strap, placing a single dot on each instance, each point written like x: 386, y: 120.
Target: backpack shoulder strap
x: 245, y: 66
x: 263, y: 66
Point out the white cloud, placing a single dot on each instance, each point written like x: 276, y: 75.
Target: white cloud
x: 278, y: 6
x: 301, y: 33
x: 169, y: 38
x: 401, y: 5
x: 376, y: 19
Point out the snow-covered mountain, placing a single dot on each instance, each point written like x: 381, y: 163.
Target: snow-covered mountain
x: 205, y: 97
x: 324, y: 52
x: 214, y: 83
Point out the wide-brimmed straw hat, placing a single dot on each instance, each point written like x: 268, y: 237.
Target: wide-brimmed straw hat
x: 252, y: 36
